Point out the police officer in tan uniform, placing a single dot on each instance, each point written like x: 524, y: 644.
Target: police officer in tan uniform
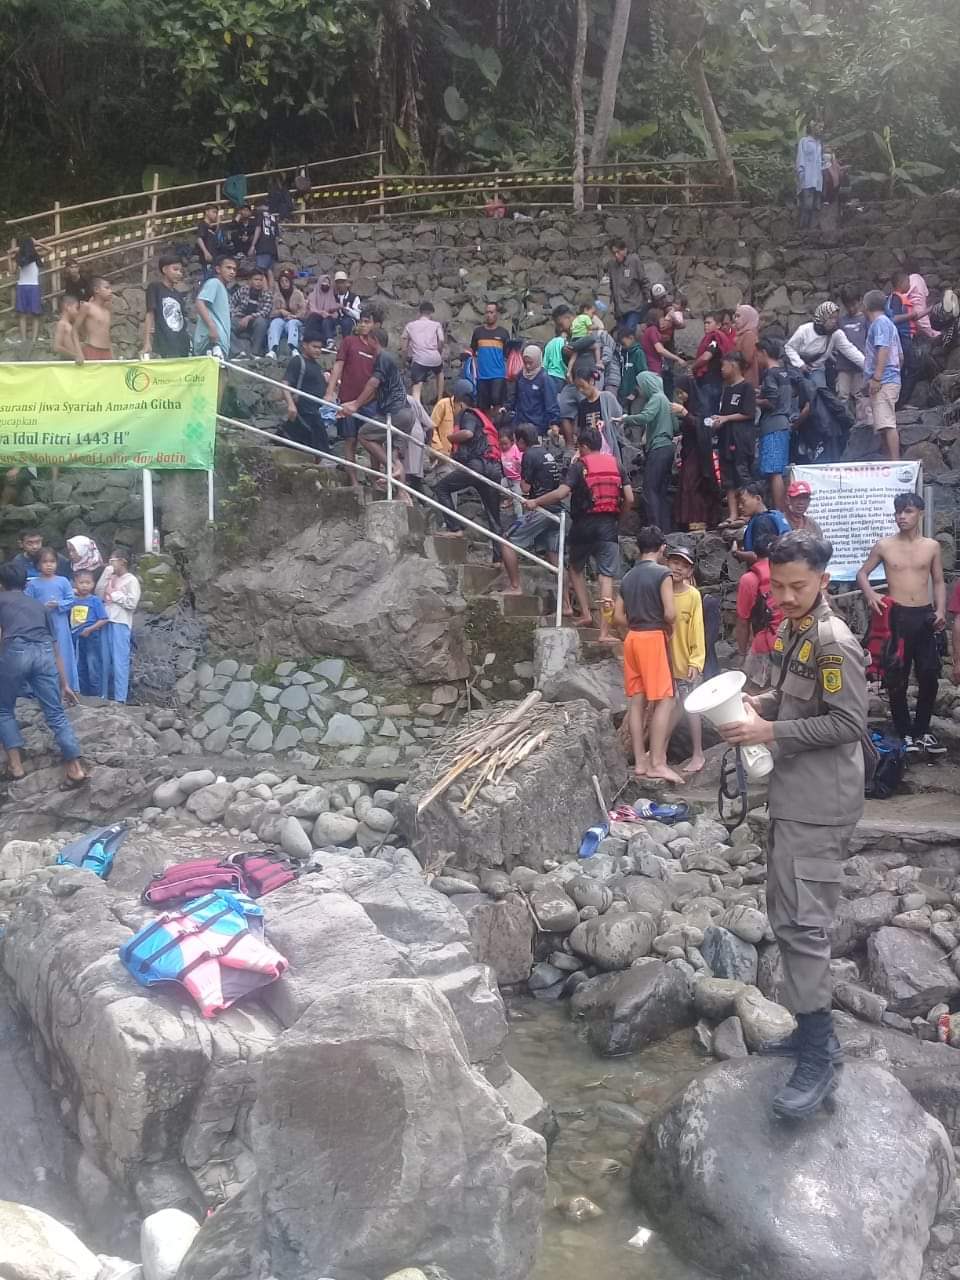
x: 813, y: 719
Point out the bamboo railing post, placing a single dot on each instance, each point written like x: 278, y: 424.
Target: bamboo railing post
x: 57, y: 228
x: 148, y: 231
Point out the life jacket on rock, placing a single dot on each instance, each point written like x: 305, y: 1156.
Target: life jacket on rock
x: 602, y: 477
x: 251, y: 873
x: 213, y: 947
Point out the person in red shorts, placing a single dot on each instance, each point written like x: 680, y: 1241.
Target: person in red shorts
x: 645, y: 609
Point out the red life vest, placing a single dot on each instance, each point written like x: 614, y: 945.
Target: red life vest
x: 602, y: 474
x: 492, y: 434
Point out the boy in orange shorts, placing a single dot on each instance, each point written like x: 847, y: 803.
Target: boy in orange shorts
x: 645, y: 608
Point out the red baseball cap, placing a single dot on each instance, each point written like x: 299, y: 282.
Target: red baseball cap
x: 799, y: 489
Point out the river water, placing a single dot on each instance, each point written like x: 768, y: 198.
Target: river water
x: 600, y: 1105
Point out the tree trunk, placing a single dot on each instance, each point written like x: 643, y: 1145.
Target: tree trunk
x: 608, y: 85
x: 713, y: 124
x: 579, y: 124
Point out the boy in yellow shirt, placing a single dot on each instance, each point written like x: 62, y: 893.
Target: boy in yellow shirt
x: 688, y: 646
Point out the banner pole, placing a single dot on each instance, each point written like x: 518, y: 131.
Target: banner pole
x: 210, y: 496
x: 147, y: 511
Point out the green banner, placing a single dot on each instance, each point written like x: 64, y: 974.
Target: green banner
x: 160, y: 414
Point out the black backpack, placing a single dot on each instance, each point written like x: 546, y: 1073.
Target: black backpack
x: 889, y: 762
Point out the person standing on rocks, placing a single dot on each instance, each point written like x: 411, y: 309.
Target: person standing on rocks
x: 598, y: 492
x: 628, y: 287
x: 646, y: 610
x: 351, y: 372
x: 912, y: 565
x: 813, y: 720
x: 488, y: 346
x: 119, y: 589
x: 30, y: 662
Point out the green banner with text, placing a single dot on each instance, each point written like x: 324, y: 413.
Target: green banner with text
x: 160, y: 414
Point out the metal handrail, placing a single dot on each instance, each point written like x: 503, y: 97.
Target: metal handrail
x: 556, y: 570
x: 377, y: 422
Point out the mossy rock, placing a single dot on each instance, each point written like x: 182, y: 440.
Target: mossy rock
x: 161, y: 581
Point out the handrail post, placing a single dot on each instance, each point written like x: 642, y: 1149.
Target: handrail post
x: 148, y: 231
x: 560, y: 551
x: 57, y: 226
x: 383, y: 210
x: 389, y: 457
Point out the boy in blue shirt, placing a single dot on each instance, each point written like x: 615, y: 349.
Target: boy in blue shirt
x: 883, y: 360
x: 489, y: 346
x: 212, y: 335
x: 88, y: 618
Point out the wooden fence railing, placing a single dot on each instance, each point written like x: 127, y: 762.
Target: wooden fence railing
x: 98, y: 230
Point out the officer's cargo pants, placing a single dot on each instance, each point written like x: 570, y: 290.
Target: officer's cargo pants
x: 804, y: 879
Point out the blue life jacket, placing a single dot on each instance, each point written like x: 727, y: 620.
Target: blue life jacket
x: 95, y: 851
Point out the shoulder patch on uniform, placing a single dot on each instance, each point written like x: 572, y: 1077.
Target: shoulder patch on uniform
x: 805, y: 650
x: 805, y: 623
x: 832, y: 678
x: 830, y: 660
x: 778, y: 645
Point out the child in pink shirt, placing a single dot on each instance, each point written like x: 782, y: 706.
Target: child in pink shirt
x: 510, y: 458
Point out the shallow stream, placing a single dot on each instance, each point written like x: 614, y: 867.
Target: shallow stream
x: 600, y: 1104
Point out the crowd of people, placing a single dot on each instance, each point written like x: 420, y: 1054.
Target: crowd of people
x: 66, y: 628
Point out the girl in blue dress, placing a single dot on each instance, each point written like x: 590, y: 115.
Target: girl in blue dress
x: 56, y: 594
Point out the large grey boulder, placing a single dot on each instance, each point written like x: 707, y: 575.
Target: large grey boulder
x: 349, y: 1175
x: 623, y: 1012
x: 510, y: 824
x: 34, y: 1246
x: 502, y: 934
x: 850, y: 1196
x: 329, y: 590
x: 614, y: 941
x: 729, y: 956
x: 910, y: 970
x: 857, y: 918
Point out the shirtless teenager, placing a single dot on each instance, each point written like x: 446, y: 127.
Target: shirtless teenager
x: 94, y: 320
x: 65, y: 341
x: 911, y: 563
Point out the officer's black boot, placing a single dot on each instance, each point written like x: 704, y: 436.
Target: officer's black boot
x: 813, y: 1080
x: 790, y: 1047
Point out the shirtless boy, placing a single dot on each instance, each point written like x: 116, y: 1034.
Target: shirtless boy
x: 94, y: 320
x: 65, y: 340
x: 911, y: 563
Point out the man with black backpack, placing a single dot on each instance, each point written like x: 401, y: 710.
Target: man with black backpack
x: 758, y: 618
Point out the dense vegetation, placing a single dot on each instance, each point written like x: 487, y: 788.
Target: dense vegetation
x: 98, y: 92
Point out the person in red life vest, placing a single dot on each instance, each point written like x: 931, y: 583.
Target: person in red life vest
x: 476, y: 444
x: 598, y: 491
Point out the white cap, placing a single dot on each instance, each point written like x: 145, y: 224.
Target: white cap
x: 341, y: 275
x: 659, y: 291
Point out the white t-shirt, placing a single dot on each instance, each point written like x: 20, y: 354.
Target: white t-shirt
x: 29, y: 274
x: 425, y: 337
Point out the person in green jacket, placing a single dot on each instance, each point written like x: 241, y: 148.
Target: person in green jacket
x: 660, y: 425
x: 632, y: 363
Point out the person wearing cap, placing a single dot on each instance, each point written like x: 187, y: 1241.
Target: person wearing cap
x: 687, y: 646
x: 796, y: 506
x: 348, y: 304
x: 476, y: 445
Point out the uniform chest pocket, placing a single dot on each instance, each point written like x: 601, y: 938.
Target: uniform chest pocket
x: 802, y: 687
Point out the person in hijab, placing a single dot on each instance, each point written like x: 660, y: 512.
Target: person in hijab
x: 535, y: 400
x: 697, y: 501
x: 746, y: 320
x: 324, y: 304
x: 83, y: 554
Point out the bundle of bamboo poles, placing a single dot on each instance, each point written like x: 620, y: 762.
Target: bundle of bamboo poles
x: 493, y: 749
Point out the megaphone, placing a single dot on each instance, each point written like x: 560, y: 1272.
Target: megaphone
x: 721, y: 701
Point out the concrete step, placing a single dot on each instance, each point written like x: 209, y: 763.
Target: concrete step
x: 446, y: 550
x: 522, y: 606
x: 479, y: 579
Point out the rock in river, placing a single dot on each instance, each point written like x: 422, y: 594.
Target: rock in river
x: 845, y: 1197
x: 910, y: 970
x: 627, y: 1011
x: 614, y: 942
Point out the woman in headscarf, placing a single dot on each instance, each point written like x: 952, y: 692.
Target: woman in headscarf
x: 324, y: 304
x: 83, y: 554
x: 746, y: 320
x: 697, y: 501
x: 535, y: 400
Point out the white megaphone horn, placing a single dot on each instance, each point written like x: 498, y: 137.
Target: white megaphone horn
x: 721, y: 701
